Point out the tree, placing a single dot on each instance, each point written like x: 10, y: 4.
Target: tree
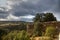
x: 21, y: 35
x: 38, y: 29
x: 37, y: 18
x: 44, y: 17
x: 49, y: 17
x: 50, y: 31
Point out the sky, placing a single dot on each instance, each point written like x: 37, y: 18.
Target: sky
x: 25, y: 10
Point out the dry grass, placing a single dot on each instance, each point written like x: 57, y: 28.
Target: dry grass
x: 40, y: 38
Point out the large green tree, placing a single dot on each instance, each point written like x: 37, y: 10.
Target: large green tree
x: 44, y: 17
x: 37, y: 18
x: 50, y: 17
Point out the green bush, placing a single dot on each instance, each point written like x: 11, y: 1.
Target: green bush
x: 50, y: 31
x: 21, y: 35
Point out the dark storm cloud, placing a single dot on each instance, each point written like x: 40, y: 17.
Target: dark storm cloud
x: 30, y: 7
x: 3, y: 13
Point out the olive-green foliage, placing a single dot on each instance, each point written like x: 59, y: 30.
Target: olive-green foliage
x: 44, y: 17
x: 38, y: 29
x: 50, y: 31
x: 17, y: 35
x: 50, y: 17
x: 37, y: 18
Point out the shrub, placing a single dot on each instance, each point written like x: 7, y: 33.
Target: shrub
x: 21, y: 35
x: 50, y: 31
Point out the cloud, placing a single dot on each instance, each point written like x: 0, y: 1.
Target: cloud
x: 21, y: 9
x: 11, y: 17
x: 33, y: 6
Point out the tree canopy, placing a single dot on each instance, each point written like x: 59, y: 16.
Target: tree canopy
x: 50, y: 17
x: 37, y: 18
x: 44, y: 17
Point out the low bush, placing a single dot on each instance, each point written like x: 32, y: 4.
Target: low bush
x: 17, y: 35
